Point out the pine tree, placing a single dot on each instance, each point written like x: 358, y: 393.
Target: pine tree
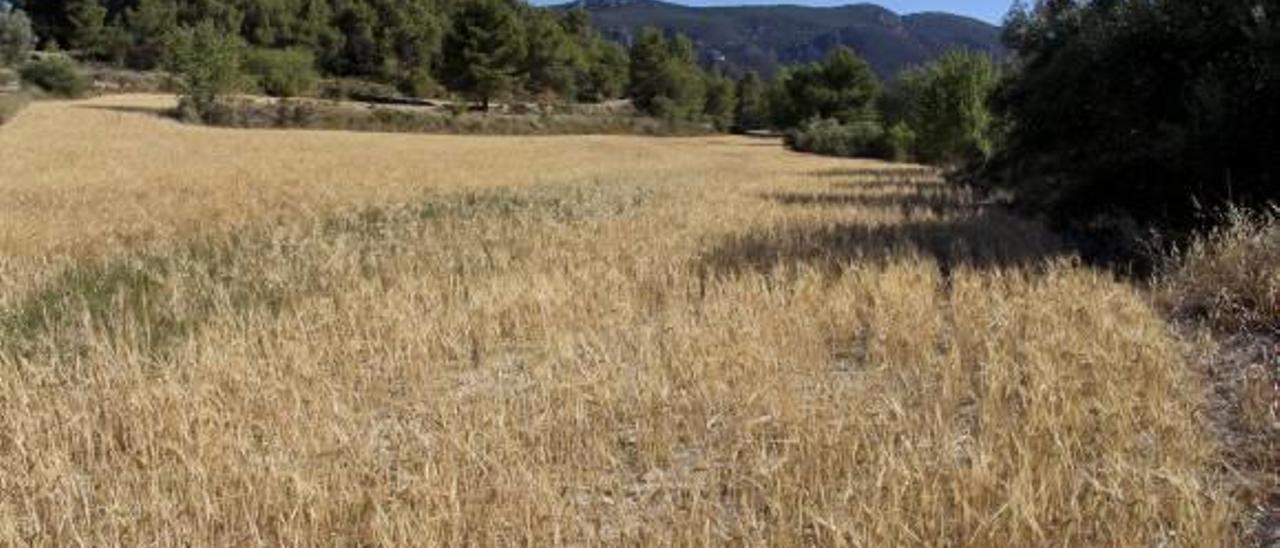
x: 87, y: 21
x: 665, y: 79
x: 553, y: 59
x: 721, y: 100
x: 484, y: 50
x: 842, y: 87
x: 752, y: 110
x: 148, y: 24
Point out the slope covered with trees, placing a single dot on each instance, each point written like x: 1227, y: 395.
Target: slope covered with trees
x: 767, y: 38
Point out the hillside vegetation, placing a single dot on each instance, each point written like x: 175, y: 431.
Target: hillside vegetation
x: 214, y: 336
x: 765, y: 38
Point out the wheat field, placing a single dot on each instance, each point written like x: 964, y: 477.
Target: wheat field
x: 235, y: 337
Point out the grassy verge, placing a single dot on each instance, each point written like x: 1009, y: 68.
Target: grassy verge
x: 310, y: 114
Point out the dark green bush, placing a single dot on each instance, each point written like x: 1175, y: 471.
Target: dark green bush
x: 862, y: 139
x: 282, y: 72
x: 56, y: 75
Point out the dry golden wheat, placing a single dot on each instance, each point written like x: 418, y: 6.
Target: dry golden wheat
x: 252, y: 337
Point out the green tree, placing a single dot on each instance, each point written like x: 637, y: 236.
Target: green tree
x: 948, y: 107
x: 410, y: 33
x: 606, y: 74
x: 16, y: 37
x: 207, y: 62
x: 842, y: 87
x: 87, y: 21
x: 554, y: 58
x: 484, y: 50
x: 649, y: 54
x: 316, y: 30
x: 665, y: 80
x: 782, y: 114
x: 358, y: 53
x: 1154, y: 111
x: 721, y: 101
x: 752, y: 110
x: 149, y: 23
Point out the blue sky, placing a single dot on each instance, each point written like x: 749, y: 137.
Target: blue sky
x: 988, y: 10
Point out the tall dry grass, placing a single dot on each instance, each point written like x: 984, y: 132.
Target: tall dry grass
x: 298, y: 338
x: 1231, y: 275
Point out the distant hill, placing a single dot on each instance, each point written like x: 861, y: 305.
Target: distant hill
x: 764, y: 37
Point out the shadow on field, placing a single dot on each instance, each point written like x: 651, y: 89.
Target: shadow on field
x: 880, y: 175
x: 984, y: 241
x: 157, y: 112
x: 939, y: 202
x: 898, y: 185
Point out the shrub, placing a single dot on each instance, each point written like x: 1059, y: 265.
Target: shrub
x: 206, y: 61
x: 900, y: 140
x: 282, y: 72
x: 1229, y: 276
x: 312, y: 114
x: 420, y: 84
x: 16, y: 37
x: 864, y: 139
x: 57, y: 75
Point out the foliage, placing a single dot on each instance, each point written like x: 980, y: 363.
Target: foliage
x: 533, y: 52
x: 148, y: 24
x: 606, y: 74
x: 752, y: 109
x: 842, y: 87
x: 861, y: 139
x: 900, y: 142
x: 553, y: 60
x: 484, y: 49
x: 312, y: 114
x: 947, y: 104
x: 665, y: 79
x: 1157, y: 111
x: 207, y: 62
x: 16, y: 37
x: 721, y: 101
x: 87, y: 25
x: 57, y: 75
x: 282, y: 72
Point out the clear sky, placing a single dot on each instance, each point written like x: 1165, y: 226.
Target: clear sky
x: 988, y: 10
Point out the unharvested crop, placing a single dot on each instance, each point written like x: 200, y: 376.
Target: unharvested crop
x: 242, y: 336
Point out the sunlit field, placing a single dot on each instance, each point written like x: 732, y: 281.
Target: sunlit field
x: 235, y: 337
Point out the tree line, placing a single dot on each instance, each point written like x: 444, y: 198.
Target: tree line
x: 482, y: 49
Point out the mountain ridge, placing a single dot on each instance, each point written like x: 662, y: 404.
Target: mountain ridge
x: 766, y: 37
